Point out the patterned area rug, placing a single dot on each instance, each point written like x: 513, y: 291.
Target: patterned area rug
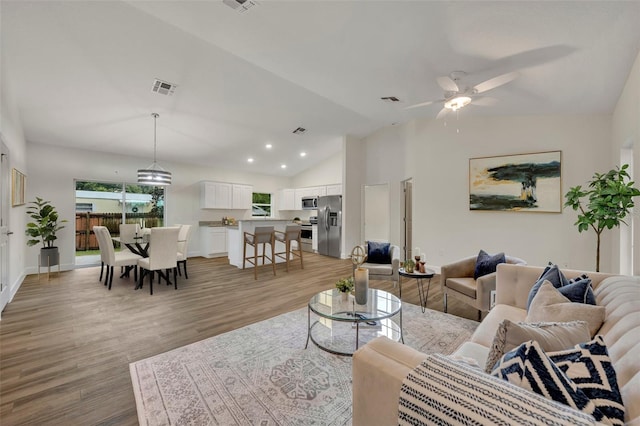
x: 262, y: 375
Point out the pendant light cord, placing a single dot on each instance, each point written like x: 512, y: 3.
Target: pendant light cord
x: 155, y: 127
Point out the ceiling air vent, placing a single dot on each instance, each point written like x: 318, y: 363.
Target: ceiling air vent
x: 240, y: 5
x: 299, y: 131
x: 163, y: 88
x: 390, y: 99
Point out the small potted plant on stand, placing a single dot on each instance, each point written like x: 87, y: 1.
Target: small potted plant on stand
x: 345, y: 285
x: 43, y: 230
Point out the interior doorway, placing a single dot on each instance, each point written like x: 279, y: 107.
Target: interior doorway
x: 407, y: 217
x: 5, y: 195
x: 627, y: 266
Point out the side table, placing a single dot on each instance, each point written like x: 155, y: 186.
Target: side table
x: 419, y: 277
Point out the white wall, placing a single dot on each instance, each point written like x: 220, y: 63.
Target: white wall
x: 53, y: 170
x: 353, y: 170
x: 326, y: 172
x: 626, y: 134
x: 13, y: 136
x: 437, y: 158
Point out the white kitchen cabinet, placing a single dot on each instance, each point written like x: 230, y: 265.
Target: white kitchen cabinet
x: 334, y: 189
x: 287, y: 199
x: 241, y: 196
x: 213, y: 241
x: 215, y: 195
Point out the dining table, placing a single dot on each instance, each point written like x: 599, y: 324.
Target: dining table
x: 139, y: 245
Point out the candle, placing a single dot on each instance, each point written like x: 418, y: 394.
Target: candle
x: 361, y: 278
x: 417, y: 251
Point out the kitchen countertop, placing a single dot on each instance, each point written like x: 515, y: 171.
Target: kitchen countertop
x: 218, y: 223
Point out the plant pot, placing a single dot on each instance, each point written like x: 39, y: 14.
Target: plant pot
x: 344, y: 295
x: 49, y: 256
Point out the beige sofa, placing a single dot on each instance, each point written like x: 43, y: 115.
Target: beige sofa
x: 380, y: 366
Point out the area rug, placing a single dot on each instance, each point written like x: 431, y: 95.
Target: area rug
x: 262, y: 375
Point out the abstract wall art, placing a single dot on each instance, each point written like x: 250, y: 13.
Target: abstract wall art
x: 522, y: 182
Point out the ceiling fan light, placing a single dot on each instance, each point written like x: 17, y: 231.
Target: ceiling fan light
x: 457, y: 102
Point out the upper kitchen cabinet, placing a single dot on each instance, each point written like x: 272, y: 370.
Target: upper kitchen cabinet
x: 334, y: 189
x: 215, y: 195
x: 222, y: 195
x: 242, y: 197
x: 287, y: 199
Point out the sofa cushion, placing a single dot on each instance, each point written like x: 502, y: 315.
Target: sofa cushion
x: 549, y: 305
x: 552, y: 336
x: 378, y: 252
x: 588, y: 365
x: 487, y: 264
x: 486, y: 331
x: 464, y: 285
x: 530, y: 368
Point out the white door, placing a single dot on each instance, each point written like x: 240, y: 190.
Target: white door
x: 5, y: 194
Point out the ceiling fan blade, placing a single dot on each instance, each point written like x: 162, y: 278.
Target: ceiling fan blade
x: 419, y: 105
x: 442, y: 113
x: 447, y: 84
x: 484, y: 101
x: 495, y: 82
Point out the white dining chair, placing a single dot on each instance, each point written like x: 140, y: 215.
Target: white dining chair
x: 128, y: 233
x: 103, y: 250
x: 113, y: 258
x: 183, y: 246
x: 163, y: 255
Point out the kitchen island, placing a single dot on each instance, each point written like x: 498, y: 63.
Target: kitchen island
x: 235, y: 239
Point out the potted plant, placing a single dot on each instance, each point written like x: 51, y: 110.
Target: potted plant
x: 409, y: 266
x: 606, y: 203
x: 345, y: 285
x: 43, y: 230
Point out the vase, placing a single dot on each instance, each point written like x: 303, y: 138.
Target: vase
x: 49, y: 256
x: 344, y: 296
x: 361, y: 279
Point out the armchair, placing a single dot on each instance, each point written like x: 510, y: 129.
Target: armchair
x: 456, y: 280
x: 384, y: 271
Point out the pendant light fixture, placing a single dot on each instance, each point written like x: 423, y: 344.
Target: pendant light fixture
x: 154, y: 174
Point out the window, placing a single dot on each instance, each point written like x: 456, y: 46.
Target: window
x: 261, y: 205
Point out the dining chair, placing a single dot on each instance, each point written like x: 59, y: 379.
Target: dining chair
x: 113, y: 258
x: 128, y: 233
x: 183, y: 246
x: 163, y: 254
x: 291, y: 240
x: 261, y: 235
x: 103, y: 250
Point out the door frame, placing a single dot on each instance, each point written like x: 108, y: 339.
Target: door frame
x: 5, y: 203
x: 406, y: 210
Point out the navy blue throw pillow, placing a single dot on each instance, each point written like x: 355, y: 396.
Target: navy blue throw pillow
x: 487, y: 264
x: 579, y: 291
x: 379, y: 252
x: 552, y: 274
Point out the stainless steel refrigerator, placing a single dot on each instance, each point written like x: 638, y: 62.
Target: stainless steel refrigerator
x: 330, y: 225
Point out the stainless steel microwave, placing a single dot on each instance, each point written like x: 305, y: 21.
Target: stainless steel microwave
x: 309, y: 203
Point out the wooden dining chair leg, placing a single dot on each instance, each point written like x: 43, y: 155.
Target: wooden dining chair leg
x: 244, y: 255
x: 151, y: 283
x: 101, y: 270
x: 273, y: 257
x: 288, y: 252
x: 175, y: 278
x: 300, y: 252
x: 255, y: 262
x: 184, y: 266
x: 106, y: 278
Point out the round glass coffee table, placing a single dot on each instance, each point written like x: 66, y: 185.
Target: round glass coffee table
x: 342, y: 325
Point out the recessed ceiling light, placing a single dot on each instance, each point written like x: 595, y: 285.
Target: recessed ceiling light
x: 268, y: 146
x: 250, y: 160
x: 283, y: 166
x: 303, y: 154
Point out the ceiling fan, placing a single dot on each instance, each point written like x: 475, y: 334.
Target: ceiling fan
x: 457, y: 95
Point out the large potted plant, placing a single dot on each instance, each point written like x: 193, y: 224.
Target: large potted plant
x: 43, y: 230
x: 604, y: 204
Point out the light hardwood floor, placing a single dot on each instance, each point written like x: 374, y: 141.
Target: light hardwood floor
x: 66, y: 344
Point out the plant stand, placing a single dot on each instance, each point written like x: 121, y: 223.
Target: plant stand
x: 48, y: 269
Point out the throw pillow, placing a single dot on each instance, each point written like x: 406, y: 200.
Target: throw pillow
x: 550, y: 305
x: 588, y: 365
x: 378, y: 252
x: 551, y: 337
x: 487, y: 264
x: 579, y: 291
x: 552, y: 274
x: 530, y: 368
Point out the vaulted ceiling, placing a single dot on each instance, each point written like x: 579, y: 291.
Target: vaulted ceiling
x: 81, y: 72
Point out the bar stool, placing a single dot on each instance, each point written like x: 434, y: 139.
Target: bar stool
x: 261, y: 235
x: 290, y: 234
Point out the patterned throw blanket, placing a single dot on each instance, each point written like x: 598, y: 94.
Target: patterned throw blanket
x: 444, y: 391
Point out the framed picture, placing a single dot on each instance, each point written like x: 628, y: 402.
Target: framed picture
x: 18, y: 184
x: 522, y: 182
